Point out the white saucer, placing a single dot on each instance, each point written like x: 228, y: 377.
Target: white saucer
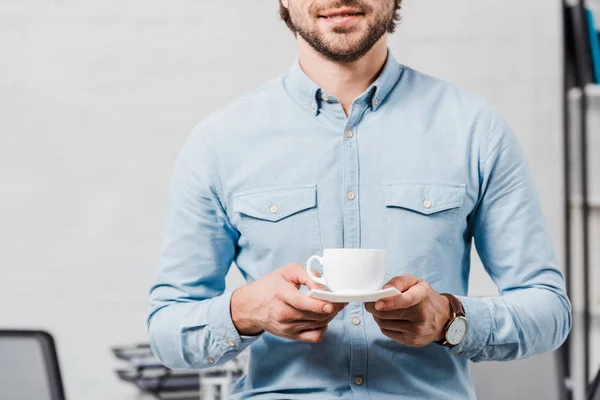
x: 353, y: 297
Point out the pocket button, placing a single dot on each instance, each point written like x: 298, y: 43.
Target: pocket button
x: 427, y: 203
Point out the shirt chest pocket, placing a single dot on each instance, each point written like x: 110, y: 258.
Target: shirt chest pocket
x: 423, y: 226
x: 279, y: 225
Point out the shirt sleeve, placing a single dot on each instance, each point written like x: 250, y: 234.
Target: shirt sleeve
x: 189, y: 322
x: 532, y: 314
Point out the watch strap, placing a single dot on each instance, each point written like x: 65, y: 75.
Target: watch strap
x: 455, y: 305
x: 458, y: 310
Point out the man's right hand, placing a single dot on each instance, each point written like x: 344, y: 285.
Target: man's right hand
x: 275, y: 304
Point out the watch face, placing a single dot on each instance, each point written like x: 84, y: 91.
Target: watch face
x: 457, y: 331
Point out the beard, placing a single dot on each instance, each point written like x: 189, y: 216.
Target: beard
x: 343, y: 48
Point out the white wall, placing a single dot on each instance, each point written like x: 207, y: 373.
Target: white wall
x: 97, y: 97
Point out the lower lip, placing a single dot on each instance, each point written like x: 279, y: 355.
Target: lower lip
x: 341, y: 21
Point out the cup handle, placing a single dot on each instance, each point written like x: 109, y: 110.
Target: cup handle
x: 312, y: 276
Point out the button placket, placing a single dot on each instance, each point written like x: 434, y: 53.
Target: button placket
x: 351, y: 218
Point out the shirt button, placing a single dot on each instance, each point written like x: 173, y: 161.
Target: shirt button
x: 231, y: 342
x: 324, y: 96
x: 356, y: 321
x: 313, y: 106
x: 427, y: 204
x: 273, y: 209
x: 376, y: 101
x: 211, y: 360
x: 358, y: 380
x: 349, y: 134
x: 350, y: 195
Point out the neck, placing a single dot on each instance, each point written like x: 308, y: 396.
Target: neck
x: 344, y: 81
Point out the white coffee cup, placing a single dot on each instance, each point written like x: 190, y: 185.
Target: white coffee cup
x: 350, y: 270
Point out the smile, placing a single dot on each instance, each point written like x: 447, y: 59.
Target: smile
x: 341, y: 13
x: 341, y: 17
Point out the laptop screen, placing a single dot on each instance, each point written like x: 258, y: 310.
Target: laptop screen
x: 23, y: 373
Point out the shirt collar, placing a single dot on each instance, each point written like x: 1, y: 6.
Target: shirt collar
x: 310, y: 95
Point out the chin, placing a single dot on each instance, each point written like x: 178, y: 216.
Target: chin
x: 345, y: 48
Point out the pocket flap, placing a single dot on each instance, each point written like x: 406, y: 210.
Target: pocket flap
x: 424, y: 198
x: 275, y: 204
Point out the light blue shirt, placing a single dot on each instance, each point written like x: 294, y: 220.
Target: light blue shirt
x: 432, y: 168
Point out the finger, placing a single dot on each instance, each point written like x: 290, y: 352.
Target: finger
x: 300, y: 301
x: 402, y: 326
x: 288, y: 314
x: 406, y: 339
x: 311, y: 316
x: 312, y: 335
x: 306, y: 325
x: 338, y: 307
x: 409, y: 298
x: 296, y: 274
x: 397, y: 336
x: 406, y: 314
x: 370, y: 307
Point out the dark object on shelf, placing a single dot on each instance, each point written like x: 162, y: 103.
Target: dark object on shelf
x: 164, y: 379
x: 568, y: 82
x: 146, y: 372
x: 580, y: 43
x: 594, y: 44
x: 29, y: 366
x: 578, y: 72
x: 139, y: 356
x: 594, y: 389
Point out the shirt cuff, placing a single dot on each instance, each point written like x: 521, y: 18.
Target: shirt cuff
x: 479, y: 330
x: 223, y: 331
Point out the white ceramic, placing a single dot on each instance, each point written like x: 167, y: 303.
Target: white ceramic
x: 352, y: 271
x: 335, y: 297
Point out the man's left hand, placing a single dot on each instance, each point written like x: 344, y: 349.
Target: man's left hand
x: 416, y: 317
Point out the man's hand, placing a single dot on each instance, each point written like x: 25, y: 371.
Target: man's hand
x: 274, y: 304
x: 414, y: 318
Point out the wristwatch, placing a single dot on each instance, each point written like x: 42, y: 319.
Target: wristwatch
x: 456, y: 328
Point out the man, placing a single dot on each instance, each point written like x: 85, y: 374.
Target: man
x: 352, y: 149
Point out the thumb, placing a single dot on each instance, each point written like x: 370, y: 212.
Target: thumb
x: 309, y: 283
x: 297, y: 274
x: 402, y: 283
x: 403, y: 300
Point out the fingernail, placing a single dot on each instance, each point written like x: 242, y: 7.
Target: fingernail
x: 379, y: 306
x: 327, y: 308
x: 386, y: 287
